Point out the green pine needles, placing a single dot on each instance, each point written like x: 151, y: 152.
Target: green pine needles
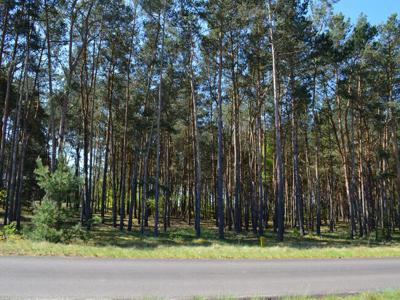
x: 54, y: 219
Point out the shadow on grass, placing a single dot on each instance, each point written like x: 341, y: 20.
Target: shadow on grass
x: 184, y: 235
x: 181, y: 234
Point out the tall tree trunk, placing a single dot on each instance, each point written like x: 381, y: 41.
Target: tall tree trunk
x: 52, y: 124
x: 317, y: 180
x: 295, y: 149
x: 278, y: 147
x: 20, y: 180
x: 107, y: 146
x: 11, y: 187
x: 220, y: 199
x: 395, y: 151
x: 158, y: 133
x: 71, y: 65
x: 236, y: 146
x: 4, y: 29
x: 133, y: 192
x: 167, y: 208
x: 124, y: 162
x: 114, y: 176
x: 197, y: 155
x: 10, y: 75
x: 317, y: 152
x: 258, y: 162
x: 124, y: 145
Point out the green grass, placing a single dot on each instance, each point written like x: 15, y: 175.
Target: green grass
x: 180, y: 243
x: 384, y: 295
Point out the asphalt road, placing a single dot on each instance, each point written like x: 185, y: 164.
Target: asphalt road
x: 52, y: 277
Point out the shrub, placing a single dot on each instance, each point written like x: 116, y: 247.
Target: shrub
x: 9, y: 231
x: 95, y: 220
x: 3, y: 195
x: 52, y: 221
x: 75, y: 232
x: 45, y: 222
x: 59, y: 186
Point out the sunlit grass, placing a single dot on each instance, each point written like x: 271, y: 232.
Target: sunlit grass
x: 180, y: 243
x: 214, y: 251
x: 384, y: 295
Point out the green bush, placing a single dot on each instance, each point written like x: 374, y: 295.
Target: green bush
x: 45, y: 222
x: 10, y: 230
x: 59, y: 186
x: 49, y: 223
x: 96, y: 220
x: 53, y: 220
x: 75, y: 232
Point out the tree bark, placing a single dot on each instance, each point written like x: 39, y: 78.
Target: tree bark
x: 278, y: 147
x: 220, y: 199
x: 158, y: 133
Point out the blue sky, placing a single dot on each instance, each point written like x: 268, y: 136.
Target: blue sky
x: 377, y: 11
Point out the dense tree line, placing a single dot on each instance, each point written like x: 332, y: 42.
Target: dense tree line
x: 249, y: 114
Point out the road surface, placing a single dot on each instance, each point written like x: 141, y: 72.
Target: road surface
x: 55, y: 277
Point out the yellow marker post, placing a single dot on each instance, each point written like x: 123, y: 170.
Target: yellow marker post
x: 263, y: 241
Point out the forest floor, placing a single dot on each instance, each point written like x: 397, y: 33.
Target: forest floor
x: 179, y: 242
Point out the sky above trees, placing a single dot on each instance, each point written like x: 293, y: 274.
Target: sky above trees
x: 377, y: 11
